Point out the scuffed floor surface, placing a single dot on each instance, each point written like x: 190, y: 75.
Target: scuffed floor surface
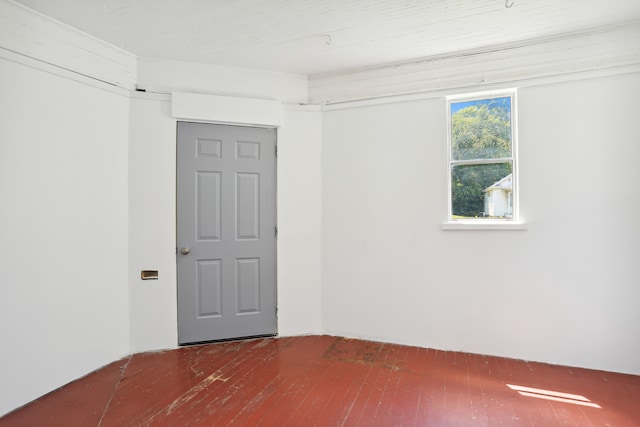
x: 329, y: 381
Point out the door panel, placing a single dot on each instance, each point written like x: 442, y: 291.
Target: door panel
x: 226, y: 226
x: 247, y: 209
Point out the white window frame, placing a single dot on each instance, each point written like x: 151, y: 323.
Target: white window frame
x: 515, y: 222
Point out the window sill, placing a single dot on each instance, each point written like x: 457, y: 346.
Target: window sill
x: 484, y: 225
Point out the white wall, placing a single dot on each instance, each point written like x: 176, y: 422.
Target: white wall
x: 152, y: 223
x: 63, y: 228
x: 300, y: 222
x: 567, y: 288
x: 152, y: 240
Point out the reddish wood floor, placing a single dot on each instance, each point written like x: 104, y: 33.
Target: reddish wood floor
x: 329, y: 381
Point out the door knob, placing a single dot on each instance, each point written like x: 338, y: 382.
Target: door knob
x: 185, y: 250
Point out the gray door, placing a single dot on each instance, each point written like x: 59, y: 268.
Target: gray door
x: 226, y: 232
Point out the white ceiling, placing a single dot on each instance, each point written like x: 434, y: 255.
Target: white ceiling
x: 320, y: 36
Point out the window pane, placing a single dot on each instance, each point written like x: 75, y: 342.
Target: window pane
x: 482, y: 191
x: 481, y: 129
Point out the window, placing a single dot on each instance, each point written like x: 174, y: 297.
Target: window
x: 482, y: 158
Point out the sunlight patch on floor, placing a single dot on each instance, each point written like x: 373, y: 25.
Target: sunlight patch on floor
x: 557, y: 396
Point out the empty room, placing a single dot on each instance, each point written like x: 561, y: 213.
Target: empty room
x: 330, y: 213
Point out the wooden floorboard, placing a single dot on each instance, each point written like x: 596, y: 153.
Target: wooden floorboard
x: 332, y: 381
